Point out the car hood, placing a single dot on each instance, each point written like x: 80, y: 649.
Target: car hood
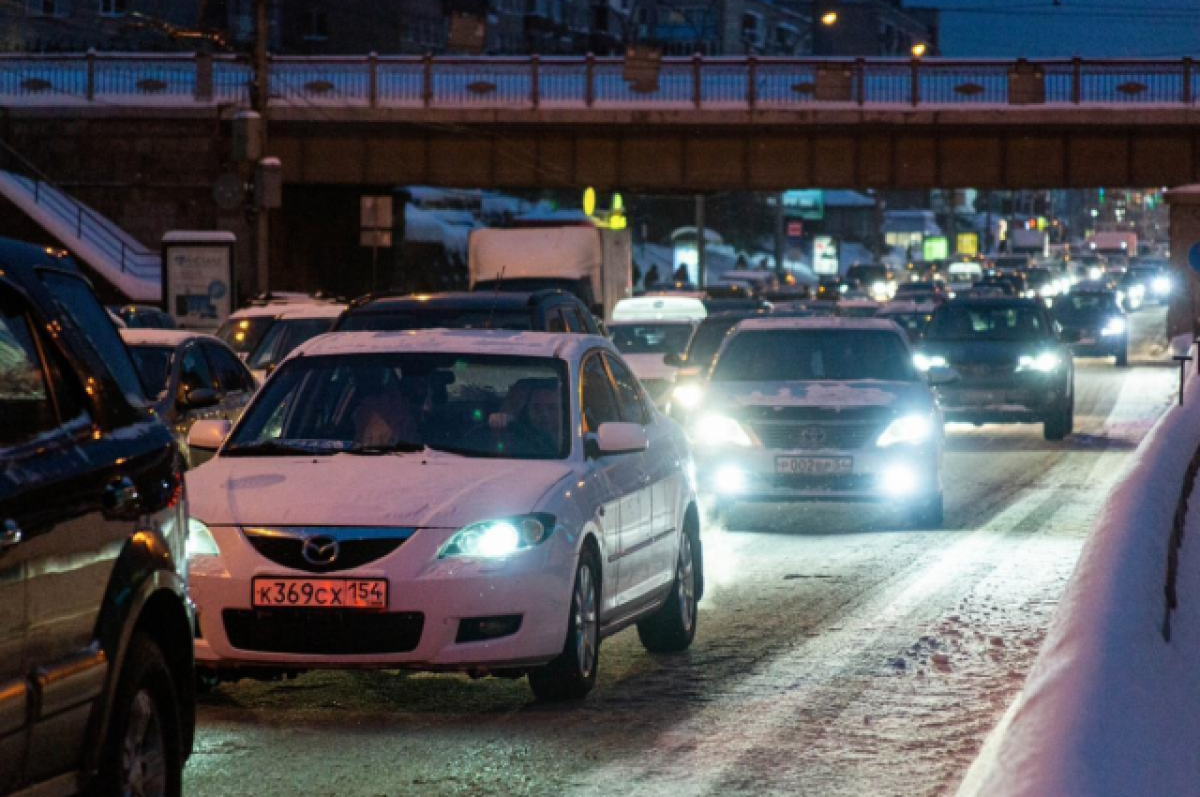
x: 430, y: 490
x: 649, y: 366
x: 986, y: 352
x: 825, y: 394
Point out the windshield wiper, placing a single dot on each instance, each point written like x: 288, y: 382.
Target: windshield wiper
x: 270, y: 448
x: 378, y: 450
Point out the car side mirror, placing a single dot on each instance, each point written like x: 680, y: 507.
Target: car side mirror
x: 618, y: 438
x: 940, y: 376
x: 199, y: 398
x: 673, y: 359
x: 208, y: 435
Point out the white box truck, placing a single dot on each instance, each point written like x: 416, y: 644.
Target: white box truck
x: 594, y: 264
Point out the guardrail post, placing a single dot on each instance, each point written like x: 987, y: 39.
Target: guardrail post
x: 203, y: 89
x: 91, y: 74
x: 697, y: 80
x: 860, y: 80
x: 535, y: 80
x: 1187, y: 81
x: 427, y: 79
x: 372, y: 80
x: 752, y: 81
x: 1076, y: 80
x: 589, y: 89
x: 916, y: 81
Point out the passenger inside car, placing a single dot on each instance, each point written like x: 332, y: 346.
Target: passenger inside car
x: 529, y: 423
x: 389, y: 413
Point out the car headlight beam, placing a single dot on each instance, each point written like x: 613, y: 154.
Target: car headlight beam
x: 1115, y: 326
x: 1043, y: 363
x: 200, y: 540
x: 910, y: 429
x: 924, y: 362
x: 495, y: 539
x: 688, y: 395
x: 715, y: 430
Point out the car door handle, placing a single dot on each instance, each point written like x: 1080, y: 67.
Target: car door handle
x: 120, y: 495
x: 11, y: 536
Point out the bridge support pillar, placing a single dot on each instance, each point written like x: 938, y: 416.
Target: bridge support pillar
x: 1183, y: 316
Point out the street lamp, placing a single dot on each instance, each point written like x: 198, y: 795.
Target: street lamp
x: 821, y: 18
x: 919, y: 49
x: 829, y: 18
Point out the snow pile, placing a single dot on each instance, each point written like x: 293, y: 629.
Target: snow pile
x: 1110, y: 707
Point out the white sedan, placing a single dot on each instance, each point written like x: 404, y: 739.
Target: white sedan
x: 483, y: 501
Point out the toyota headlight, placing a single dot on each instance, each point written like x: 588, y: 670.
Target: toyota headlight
x: 910, y: 429
x: 716, y: 430
x: 1115, y: 326
x: 200, y: 540
x: 1042, y: 363
x: 494, y: 539
x: 688, y: 396
x: 924, y: 362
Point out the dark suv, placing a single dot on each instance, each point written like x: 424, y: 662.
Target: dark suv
x: 96, y: 679
x: 541, y: 311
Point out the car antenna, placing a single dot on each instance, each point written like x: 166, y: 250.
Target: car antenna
x: 495, y: 298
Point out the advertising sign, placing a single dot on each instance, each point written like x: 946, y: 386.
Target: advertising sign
x: 808, y: 205
x: 825, y: 255
x: 795, y: 229
x: 198, y: 278
x: 968, y: 243
x: 936, y: 248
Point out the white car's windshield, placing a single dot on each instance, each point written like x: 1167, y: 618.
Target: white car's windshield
x: 474, y: 405
x: 651, y: 338
x: 808, y: 355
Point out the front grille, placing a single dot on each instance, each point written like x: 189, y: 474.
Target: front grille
x: 833, y: 484
x: 815, y: 437
x: 327, y: 632
x: 356, y: 547
x: 982, y: 371
x: 821, y: 414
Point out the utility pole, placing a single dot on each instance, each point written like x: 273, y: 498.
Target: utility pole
x: 260, y: 99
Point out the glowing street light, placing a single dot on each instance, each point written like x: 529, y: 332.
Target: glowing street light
x: 829, y: 18
x: 919, y: 49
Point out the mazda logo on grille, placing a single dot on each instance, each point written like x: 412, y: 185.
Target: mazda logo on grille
x: 320, y: 550
x: 812, y: 436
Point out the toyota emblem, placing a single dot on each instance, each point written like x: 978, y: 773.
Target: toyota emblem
x: 812, y: 436
x: 320, y: 550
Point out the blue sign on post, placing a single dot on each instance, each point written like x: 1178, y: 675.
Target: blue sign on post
x: 1194, y: 257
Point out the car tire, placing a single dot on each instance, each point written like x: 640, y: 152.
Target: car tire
x: 716, y: 511
x: 572, y: 674
x: 143, y: 747
x: 1123, y: 357
x: 1062, y: 423
x: 673, y: 627
x: 928, y: 514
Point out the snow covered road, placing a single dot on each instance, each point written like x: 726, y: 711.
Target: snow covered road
x: 838, y: 653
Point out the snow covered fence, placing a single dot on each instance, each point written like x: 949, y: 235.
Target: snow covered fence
x: 1112, y: 705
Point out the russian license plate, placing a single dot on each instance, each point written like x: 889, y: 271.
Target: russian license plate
x: 1087, y: 341
x: 321, y: 593
x: 980, y: 397
x: 814, y: 466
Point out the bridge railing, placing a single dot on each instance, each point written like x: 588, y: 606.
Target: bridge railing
x: 139, y: 79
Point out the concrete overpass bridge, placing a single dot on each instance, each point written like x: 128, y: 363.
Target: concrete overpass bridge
x: 708, y: 124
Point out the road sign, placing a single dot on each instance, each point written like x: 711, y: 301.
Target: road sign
x: 1194, y: 257
x: 795, y: 229
x: 375, y: 213
x: 825, y: 255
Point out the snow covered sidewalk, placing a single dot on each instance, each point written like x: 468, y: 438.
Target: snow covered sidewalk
x: 1112, y: 705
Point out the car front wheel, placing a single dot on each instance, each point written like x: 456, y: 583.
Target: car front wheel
x: 572, y: 674
x: 143, y: 754
x: 1062, y: 423
x: 928, y: 514
x: 673, y: 627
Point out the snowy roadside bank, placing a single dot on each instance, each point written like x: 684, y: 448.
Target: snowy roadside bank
x: 1112, y: 705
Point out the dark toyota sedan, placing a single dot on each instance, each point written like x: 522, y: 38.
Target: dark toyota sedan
x: 1094, y: 325
x: 1013, y: 365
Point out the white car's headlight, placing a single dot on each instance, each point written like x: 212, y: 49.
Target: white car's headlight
x: 200, y: 540
x: 1115, y: 326
x: 909, y: 429
x: 924, y: 362
x: 688, y: 395
x: 1095, y: 273
x: 715, y: 430
x: 1044, y: 363
x: 493, y: 539
x: 1162, y: 286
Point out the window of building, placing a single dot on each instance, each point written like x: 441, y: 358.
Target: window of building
x: 113, y: 8
x: 316, y: 25
x: 45, y: 8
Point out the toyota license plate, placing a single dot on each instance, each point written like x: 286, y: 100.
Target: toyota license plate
x: 814, y: 466
x: 321, y: 593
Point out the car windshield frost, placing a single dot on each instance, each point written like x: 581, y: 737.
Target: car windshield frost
x: 439, y: 318
x: 1000, y: 322
x: 473, y: 405
x: 244, y: 334
x: 814, y: 355
x: 651, y: 338
x: 154, y: 367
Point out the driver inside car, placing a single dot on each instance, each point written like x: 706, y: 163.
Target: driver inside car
x: 530, y: 420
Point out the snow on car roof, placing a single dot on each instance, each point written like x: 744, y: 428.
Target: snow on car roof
x: 896, y: 308
x: 658, y: 322
x: 161, y: 337
x: 454, y: 341
x: 861, y: 303
x: 817, y: 322
x: 312, y: 311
